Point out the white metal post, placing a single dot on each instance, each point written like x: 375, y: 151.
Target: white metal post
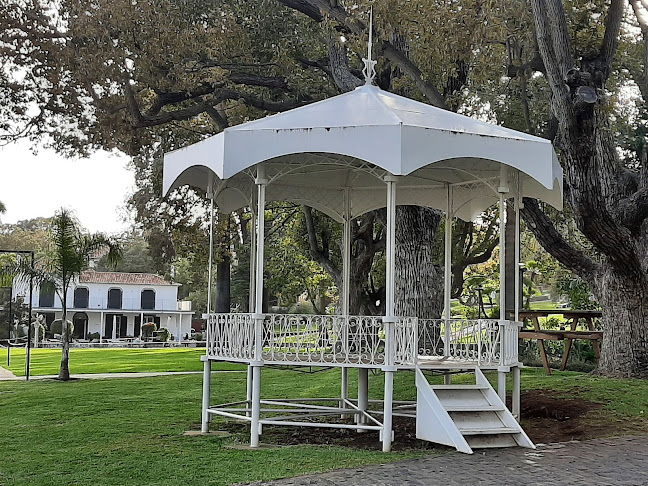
x: 255, y: 430
x: 447, y: 272
x: 517, y: 248
x: 210, y: 196
x: 447, y: 279
x: 102, y: 328
x: 363, y: 393
x: 389, y: 321
x: 390, y: 250
x: 503, y: 190
x: 515, y: 399
x: 248, y: 406
x: 204, y: 428
x: 501, y: 385
x: 387, y: 434
x: 346, y: 292
x: 251, y: 302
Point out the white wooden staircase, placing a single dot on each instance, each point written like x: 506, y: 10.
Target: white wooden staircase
x: 465, y: 416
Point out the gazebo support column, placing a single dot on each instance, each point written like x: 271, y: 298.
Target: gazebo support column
x: 256, y: 365
x: 363, y: 394
x: 210, y: 278
x: 389, y: 320
x: 447, y: 280
x: 503, y: 191
x: 346, y: 290
x: 251, y: 301
x: 515, y: 400
x: 204, y: 427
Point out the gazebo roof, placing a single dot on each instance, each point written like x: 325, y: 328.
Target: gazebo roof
x: 311, y: 154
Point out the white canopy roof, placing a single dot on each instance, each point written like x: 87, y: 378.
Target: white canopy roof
x: 311, y: 154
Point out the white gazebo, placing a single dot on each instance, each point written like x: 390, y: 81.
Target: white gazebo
x: 345, y: 156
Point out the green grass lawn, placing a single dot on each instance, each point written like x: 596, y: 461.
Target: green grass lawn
x: 128, y: 431
x: 115, y: 360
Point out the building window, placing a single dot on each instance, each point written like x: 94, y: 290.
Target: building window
x: 81, y: 296
x: 115, y: 299
x: 148, y: 299
x: 46, y: 297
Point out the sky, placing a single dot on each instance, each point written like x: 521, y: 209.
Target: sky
x: 95, y: 188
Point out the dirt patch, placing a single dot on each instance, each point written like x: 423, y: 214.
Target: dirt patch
x: 547, y: 416
x: 404, y: 436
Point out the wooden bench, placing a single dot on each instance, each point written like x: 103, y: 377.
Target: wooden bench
x: 572, y: 316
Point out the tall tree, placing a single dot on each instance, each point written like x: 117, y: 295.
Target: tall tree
x: 153, y: 76
x: 68, y: 255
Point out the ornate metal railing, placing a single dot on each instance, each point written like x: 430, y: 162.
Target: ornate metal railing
x: 313, y: 339
x: 482, y: 341
x: 231, y: 336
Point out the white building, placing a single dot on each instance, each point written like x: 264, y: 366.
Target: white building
x: 115, y: 305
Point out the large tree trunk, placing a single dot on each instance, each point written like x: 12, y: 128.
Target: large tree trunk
x: 624, y: 304
x: 223, y: 285
x: 419, y: 282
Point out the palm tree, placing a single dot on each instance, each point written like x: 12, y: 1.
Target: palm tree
x: 68, y: 255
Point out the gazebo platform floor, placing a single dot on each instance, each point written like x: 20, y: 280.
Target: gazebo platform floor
x: 319, y: 360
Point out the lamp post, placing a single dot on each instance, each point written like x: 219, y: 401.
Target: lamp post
x: 31, y: 291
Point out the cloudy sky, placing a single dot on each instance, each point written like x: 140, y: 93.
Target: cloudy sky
x: 37, y: 185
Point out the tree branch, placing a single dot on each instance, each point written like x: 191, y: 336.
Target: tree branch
x: 316, y: 253
x: 545, y: 232
x: 555, y: 71
x: 612, y: 30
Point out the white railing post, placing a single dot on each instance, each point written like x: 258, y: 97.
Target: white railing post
x: 502, y: 342
x: 479, y: 341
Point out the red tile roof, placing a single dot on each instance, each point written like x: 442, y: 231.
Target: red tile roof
x: 91, y: 276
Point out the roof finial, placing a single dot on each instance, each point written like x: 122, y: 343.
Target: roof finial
x: 369, y: 70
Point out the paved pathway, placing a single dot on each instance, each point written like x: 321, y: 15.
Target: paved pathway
x: 619, y: 461
x: 6, y: 375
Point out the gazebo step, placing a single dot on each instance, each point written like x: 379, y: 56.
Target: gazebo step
x: 459, y: 387
x: 491, y: 441
x: 465, y: 416
x: 488, y: 431
x: 473, y: 408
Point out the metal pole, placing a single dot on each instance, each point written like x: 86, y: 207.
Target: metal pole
x: 255, y: 429
x: 252, y: 285
x: 447, y: 272
x: 503, y: 190
x: 11, y: 323
x: 31, y: 291
x: 389, y: 321
x: 346, y: 291
x: 391, y: 243
x: 210, y: 195
x: 204, y: 428
x: 517, y: 249
x: 363, y: 393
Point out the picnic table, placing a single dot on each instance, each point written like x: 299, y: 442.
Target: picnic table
x: 573, y: 316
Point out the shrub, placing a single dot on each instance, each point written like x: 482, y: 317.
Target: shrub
x: 57, y: 327
x: 164, y: 334
x: 148, y: 329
